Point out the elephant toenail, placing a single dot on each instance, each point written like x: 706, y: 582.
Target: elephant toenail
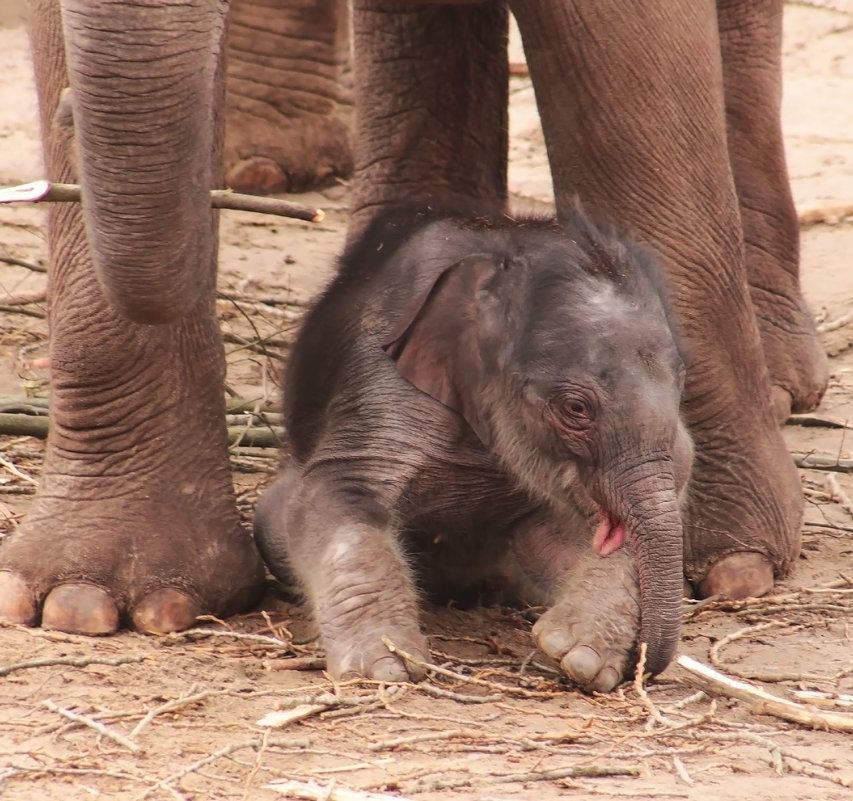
x: 258, y: 175
x: 782, y: 403
x: 165, y: 610
x: 389, y: 668
x: 606, y: 680
x: 582, y: 664
x: 17, y: 604
x: 80, y: 609
x: 739, y: 575
x: 553, y: 642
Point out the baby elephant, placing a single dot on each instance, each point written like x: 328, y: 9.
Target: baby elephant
x: 481, y: 399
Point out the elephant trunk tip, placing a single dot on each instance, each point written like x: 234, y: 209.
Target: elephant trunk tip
x: 661, y: 644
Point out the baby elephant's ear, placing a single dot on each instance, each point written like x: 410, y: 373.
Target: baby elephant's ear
x: 436, y: 345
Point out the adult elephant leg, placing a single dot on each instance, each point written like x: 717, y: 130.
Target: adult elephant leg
x: 631, y: 99
x: 289, y: 94
x: 431, y: 116
x: 134, y: 521
x: 751, y: 43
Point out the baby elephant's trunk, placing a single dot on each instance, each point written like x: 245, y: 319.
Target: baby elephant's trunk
x: 646, y: 499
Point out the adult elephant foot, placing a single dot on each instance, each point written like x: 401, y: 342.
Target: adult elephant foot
x: 288, y: 102
x: 744, y: 511
x: 135, y: 521
x: 154, y: 563
x: 291, y: 155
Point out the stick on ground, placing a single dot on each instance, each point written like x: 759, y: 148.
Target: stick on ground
x: 93, y: 724
x: 316, y: 792
x: 763, y: 703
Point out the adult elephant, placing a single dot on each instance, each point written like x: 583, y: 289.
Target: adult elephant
x: 664, y: 116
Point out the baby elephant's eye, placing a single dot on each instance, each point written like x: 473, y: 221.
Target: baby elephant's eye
x: 575, y: 407
x: 576, y: 411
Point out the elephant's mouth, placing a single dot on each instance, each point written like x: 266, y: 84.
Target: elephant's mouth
x: 609, y: 534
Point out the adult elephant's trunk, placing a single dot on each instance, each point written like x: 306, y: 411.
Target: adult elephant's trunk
x: 144, y: 80
x: 645, y: 500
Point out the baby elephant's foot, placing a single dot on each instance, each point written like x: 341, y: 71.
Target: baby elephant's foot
x: 593, y: 655
x: 592, y: 630
x: 367, y: 655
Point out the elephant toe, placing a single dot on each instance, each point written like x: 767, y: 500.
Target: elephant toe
x: 738, y: 575
x: 607, y: 679
x: 595, y: 659
x: 165, y: 610
x: 782, y: 403
x: 370, y: 659
x: 17, y: 602
x: 257, y: 175
x: 389, y: 668
x: 582, y: 664
x: 553, y: 641
x: 586, y: 668
x: 79, y: 608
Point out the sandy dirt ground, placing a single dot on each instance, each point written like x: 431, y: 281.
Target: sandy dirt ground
x: 135, y: 716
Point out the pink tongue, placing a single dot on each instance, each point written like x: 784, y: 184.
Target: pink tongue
x: 609, y: 536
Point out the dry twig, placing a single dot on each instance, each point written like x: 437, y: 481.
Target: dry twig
x: 440, y: 671
x: 817, y: 461
x: 655, y: 716
x: 9, y: 467
x: 838, y: 494
x: 827, y: 215
x: 171, y: 706
x: 256, y: 742
x: 763, y: 703
x: 70, y: 661
x: 47, y: 192
x: 13, y: 262
x: 93, y: 724
x: 575, y: 772
x: 200, y: 634
x: 316, y: 792
x: 282, y: 718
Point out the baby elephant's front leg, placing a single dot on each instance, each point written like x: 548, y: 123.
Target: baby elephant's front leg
x: 343, y: 549
x: 592, y: 626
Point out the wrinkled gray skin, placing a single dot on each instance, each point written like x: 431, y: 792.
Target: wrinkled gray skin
x: 474, y: 403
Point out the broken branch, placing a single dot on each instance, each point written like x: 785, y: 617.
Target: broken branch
x: 317, y: 792
x: 71, y: 662
x: 814, y: 461
x: 93, y: 724
x: 440, y: 671
x: 30, y: 425
x: 763, y: 703
x: 47, y: 192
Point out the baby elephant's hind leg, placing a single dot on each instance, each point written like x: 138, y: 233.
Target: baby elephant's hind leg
x: 342, y: 548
